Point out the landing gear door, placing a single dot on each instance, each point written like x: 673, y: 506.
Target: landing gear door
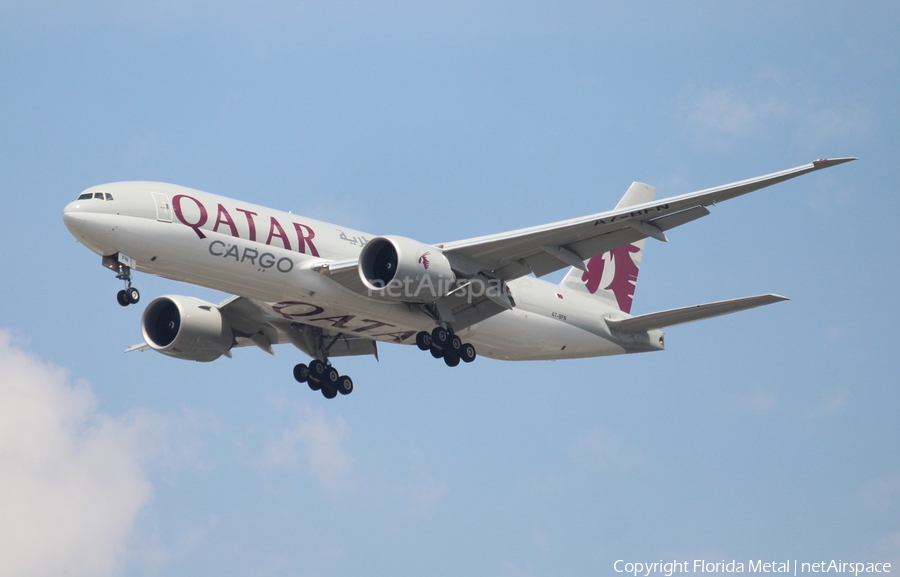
x: 163, y: 208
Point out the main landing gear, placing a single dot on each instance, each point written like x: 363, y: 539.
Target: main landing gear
x: 321, y: 376
x: 443, y: 343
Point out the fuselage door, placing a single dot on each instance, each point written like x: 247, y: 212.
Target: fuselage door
x: 163, y: 208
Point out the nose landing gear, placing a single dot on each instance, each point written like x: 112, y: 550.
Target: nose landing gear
x: 122, y: 264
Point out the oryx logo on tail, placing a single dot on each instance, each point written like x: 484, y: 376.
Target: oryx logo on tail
x: 624, y: 274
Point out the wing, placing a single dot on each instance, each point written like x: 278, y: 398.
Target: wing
x: 252, y: 325
x: 540, y: 250
x: 550, y: 247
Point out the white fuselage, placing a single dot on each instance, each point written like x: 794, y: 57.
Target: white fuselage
x: 273, y: 257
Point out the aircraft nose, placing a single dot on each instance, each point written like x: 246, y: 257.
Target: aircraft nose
x: 73, y: 217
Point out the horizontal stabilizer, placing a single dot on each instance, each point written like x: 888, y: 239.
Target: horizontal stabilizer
x: 648, y: 322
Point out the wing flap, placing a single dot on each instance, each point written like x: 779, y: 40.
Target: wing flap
x: 649, y: 322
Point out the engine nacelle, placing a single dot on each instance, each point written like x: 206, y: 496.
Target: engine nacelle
x: 404, y: 269
x: 186, y: 328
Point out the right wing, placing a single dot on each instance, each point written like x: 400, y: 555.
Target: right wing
x: 550, y: 247
x: 543, y: 249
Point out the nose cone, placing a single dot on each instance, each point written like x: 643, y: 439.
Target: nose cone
x: 74, y: 218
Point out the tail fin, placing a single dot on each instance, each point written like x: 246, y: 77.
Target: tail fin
x: 612, y: 276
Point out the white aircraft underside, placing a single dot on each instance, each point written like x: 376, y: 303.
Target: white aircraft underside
x: 333, y: 291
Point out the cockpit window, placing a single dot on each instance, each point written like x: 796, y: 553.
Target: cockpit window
x: 97, y: 195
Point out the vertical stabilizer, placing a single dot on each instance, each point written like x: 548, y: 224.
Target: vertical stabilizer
x: 612, y: 276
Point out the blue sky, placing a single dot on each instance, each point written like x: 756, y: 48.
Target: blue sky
x: 765, y: 434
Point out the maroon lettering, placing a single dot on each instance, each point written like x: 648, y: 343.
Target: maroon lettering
x: 337, y: 322
x: 250, y: 223
x: 222, y: 217
x: 305, y: 239
x: 375, y: 325
x: 280, y: 234
x: 286, y: 309
x: 176, y: 205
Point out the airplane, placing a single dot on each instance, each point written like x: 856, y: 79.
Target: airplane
x: 333, y: 291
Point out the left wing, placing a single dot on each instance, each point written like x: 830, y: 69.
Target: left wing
x: 253, y: 325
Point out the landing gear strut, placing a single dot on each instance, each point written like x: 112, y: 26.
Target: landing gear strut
x: 444, y: 344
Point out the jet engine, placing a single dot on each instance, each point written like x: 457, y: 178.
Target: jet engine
x: 405, y: 270
x: 186, y: 328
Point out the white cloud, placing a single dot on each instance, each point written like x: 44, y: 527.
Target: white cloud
x: 760, y: 401
x: 888, y: 549
x: 717, y: 118
x: 517, y: 569
x: 193, y: 537
x: 317, y: 443
x: 830, y: 405
x: 821, y: 126
x: 882, y: 494
x: 597, y: 447
x: 721, y: 118
x: 425, y: 492
x: 71, y: 483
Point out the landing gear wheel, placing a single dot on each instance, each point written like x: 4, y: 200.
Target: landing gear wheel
x: 436, y: 353
x: 451, y: 360
x: 455, y: 344
x: 317, y: 369
x: 423, y: 340
x: 301, y: 373
x: 331, y: 378
x: 345, y: 385
x: 132, y: 295
x: 440, y: 337
x: 328, y: 392
x: 316, y: 374
x: 122, y: 298
x: 467, y: 353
